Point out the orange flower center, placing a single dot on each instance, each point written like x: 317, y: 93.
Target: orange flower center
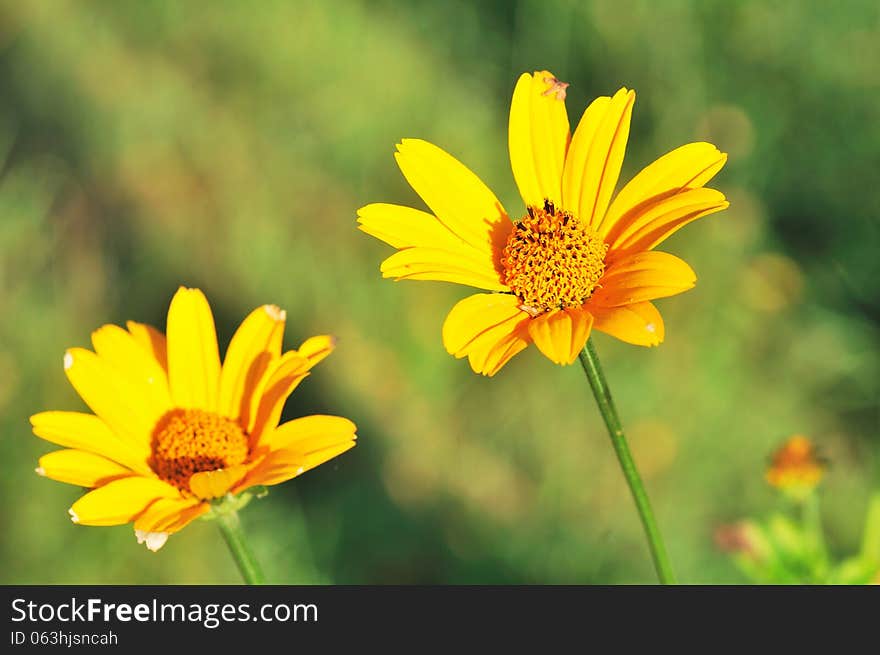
x: 552, y: 260
x: 187, y: 441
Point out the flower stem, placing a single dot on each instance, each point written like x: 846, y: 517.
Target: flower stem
x: 230, y: 527
x: 590, y: 362
x: 812, y: 519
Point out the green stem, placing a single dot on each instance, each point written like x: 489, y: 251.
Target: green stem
x: 812, y: 518
x: 602, y: 393
x: 230, y: 527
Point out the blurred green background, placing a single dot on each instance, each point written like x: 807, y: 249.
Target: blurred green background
x: 227, y: 145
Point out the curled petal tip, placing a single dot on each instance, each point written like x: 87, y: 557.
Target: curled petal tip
x: 153, y: 540
x: 275, y: 312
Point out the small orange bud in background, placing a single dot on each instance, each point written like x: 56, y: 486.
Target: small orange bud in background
x: 796, y: 467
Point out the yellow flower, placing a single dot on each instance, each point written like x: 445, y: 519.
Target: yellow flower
x: 173, y: 430
x: 796, y: 467
x: 575, y: 259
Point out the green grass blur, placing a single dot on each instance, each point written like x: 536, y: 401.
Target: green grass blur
x: 227, y: 145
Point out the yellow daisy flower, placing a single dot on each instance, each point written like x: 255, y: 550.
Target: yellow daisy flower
x: 172, y: 429
x: 578, y: 258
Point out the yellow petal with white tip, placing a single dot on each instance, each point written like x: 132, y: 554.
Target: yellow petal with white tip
x: 81, y: 468
x: 120, y: 501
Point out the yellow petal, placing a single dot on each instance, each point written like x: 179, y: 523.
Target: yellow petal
x: 315, y: 349
x: 282, y: 465
x: 562, y: 334
x: 81, y: 468
x: 489, y: 354
x: 214, y: 484
x: 170, y: 514
x: 137, y: 365
x: 150, y: 339
x: 578, y: 151
x: 187, y: 516
x: 193, y: 356
x: 311, y: 433
x: 120, y: 501
x: 475, y: 314
x: 254, y: 346
x: 643, y: 276
x: 111, y: 396
x: 538, y: 134
x: 405, y: 227
x: 657, y: 220
x: 488, y: 328
x: 88, y: 432
x: 443, y: 266
x: 639, y: 324
x: 315, y: 458
x: 457, y: 197
x: 278, y: 383
x: 652, y: 236
x: 689, y: 167
x: 596, y: 156
x: 410, y: 229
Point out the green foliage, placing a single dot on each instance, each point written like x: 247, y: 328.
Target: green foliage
x: 781, y: 549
